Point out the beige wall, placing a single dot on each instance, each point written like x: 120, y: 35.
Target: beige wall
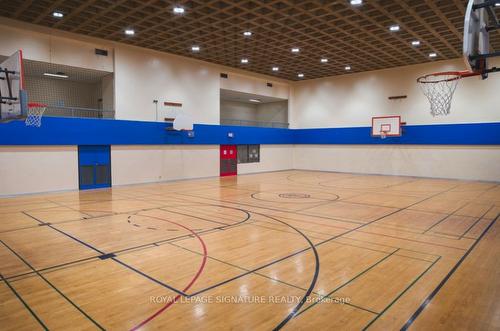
x: 144, y: 164
x: 42, y: 44
x: 141, y: 75
x: 352, y: 100
x: 272, y: 158
x: 33, y: 169
x: 461, y: 162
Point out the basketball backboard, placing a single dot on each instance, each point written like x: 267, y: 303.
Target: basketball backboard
x: 480, y: 20
x: 386, y: 126
x: 12, y: 94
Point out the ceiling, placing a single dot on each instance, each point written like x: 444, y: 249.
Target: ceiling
x: 357, y: 36
x: 230, y: 95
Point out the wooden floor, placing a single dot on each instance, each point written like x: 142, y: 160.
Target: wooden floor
x: 300, y: 250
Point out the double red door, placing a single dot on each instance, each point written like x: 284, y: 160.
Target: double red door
x: 228, y: 160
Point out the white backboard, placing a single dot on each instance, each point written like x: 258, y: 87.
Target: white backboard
x: 390, y: 125
x: 11, y: 85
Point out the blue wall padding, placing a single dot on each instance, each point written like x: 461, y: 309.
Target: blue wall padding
x: 436, y: 134
x: 72, y: 131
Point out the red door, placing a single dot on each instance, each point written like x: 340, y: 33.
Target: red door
x: 228, y: 160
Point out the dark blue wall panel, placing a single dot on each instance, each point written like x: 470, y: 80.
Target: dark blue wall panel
x: 438, y: 134
x: 70, y: 131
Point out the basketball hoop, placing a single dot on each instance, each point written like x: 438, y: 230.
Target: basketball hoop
x: 439, y: 88
x: 35, y: 113
x: 383, y: 134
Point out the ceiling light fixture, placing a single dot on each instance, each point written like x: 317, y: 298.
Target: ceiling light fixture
x: 254, y: 100
x: 57, y: 14
x: 300, y: 75
x: 178, y: 10
x: 129, y: 32
x: 58, y: 75
x: 356, y: 2
x: 244, y: 60
x: 415, y: 43
x: 433, y: 55
x: 324, y: 60
x: 195, y: 48
x: 347, y: 68
x: 394, y: 28
x: 276, y: 68
x: 247, y: 33
x: 295, y: 50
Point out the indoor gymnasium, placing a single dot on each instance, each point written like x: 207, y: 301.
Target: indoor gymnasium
x: 249, y: 165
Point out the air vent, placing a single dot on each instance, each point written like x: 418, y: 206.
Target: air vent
x: 269, y: 84
x: 102, y: 52
x: 223, y: 75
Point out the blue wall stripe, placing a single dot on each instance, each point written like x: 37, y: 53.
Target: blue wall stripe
x: 72, y: 131
x: 436, y: 134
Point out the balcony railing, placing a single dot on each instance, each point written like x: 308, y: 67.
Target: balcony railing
x: 254, y: 123
x: 78, y: 112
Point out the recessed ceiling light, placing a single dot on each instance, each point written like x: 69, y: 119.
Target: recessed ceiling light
x: 57, y: 75
x: 497, y: 4
x: 415, y: 43
x: 57, y: 14
x: 324, y: 60
x: 356, y: 2
x: 247, y: 33
x: 394, y: 28
x: 254, y: 100
x: 129, y: 32
x: 347, y: 68
x: 244, y: 60
x: 300, y: 75
x: 178, y: 10
x: 433, y: 55
x: 295, y: 50
x: 195, y: 48
x: 276, y: 68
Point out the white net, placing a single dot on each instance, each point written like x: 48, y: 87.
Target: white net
x: 439, y: 89
x: 35, y: 113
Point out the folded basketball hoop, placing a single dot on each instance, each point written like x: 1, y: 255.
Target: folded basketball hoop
x: 35, y: 113
x: 439, y: 88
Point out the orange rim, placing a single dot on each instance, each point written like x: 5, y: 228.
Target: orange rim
x: 448, y: 76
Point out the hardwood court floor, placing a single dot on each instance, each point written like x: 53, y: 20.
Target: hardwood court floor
x: 300, y: 250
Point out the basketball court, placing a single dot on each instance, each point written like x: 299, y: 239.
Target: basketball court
x: 224, y: 181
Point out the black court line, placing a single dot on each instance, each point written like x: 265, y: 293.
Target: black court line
x: 401, y: 294
x: 53, y: 287
x: 429, y: 298
x: 477, y: 221
x: 261, y: 275
x: 305, y: 249
x: 114, y: 259
x: 147, y: 245
x: 413, y: 240
x: 24, y: 303
x: 447, y: 217
x: 350, y: 281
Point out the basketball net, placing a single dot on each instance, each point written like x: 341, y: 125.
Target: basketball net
x: 35, y: 113
x: 383, y: 134
x: 440, y: 87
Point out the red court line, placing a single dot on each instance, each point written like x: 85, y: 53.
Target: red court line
x: 193, y: 280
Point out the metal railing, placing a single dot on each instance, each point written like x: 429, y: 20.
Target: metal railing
x: 78, y: 112
x: 261, y: 124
